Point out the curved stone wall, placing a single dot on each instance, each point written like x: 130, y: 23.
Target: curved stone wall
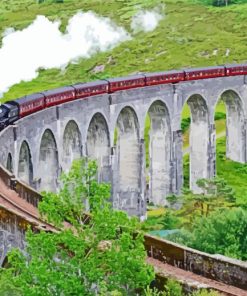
x: 54, y: 137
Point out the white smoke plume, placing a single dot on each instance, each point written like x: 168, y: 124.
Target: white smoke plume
x: 146, y: 20
x: 43, y: 45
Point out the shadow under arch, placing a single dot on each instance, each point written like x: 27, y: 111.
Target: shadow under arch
x: 72, y: 146
x: 160, y: 153
x: 48, y: 162
x: 235, y: 125
x: 25, y: 165
x: 198, y: 140
x: 9, y: 164
x: 5, y: 263
x: 98, y: 145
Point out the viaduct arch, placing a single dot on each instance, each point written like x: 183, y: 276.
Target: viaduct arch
x: 42, y: 145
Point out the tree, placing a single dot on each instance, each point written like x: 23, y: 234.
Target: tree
x: 169, y: 220
x: 215, y: 193
x: 222, y: 232
x: 102, y: 255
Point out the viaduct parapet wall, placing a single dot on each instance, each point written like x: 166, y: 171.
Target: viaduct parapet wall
x: 39, y: 147
x: 12, y: 234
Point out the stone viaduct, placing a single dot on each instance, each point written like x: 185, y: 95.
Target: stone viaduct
x: 39, y: 147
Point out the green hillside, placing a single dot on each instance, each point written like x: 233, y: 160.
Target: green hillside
x: 189, y: 35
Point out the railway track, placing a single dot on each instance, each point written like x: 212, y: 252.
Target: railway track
x: 11, y: 201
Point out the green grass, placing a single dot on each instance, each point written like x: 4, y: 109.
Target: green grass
x: 233, y: 172
x: 186, y: 37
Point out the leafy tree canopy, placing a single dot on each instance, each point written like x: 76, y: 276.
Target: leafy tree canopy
x: 222, y: 232
x: 91, y: 257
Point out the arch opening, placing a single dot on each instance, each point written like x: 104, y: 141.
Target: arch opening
x: 159, y: 156
x: 98, y: 146
x: 128, y: 151
x: 48, y: 162
x: 25, y: 166
x: 195, y: 141
x: 72, y: 147
x: 9, y: 164
x: 234, y: 129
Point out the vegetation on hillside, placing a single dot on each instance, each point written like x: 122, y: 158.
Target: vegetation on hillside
x: 222, y: 232
x: 212, y: 221
x: 181, y: 39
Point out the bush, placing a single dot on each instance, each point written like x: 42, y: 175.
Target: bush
x: 205, y: 292
x: 185, y: 124
x: 219, y: 115
x: 169, y: 220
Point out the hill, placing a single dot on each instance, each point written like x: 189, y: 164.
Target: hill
x: 189, y: 35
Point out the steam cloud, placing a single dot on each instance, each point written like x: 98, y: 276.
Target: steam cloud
x: 146, y: 20
x: 43, y: 45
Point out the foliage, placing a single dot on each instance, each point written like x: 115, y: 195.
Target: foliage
x: 174, y: 288
x: 185, y: 123
x: 93, y: 258
x: 222, y: 232
x: 219, y: 115
x: 233, y: 172
x: 169, y: 220
x: 204, y: 292
x: 214, y: 193
x: 6, y: 284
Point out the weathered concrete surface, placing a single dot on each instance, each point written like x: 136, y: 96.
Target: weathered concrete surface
x: 11, y: 235
x: 217, y: 267
x: 98, y: 146
x: 25, y: 166
x: 48, y: 162
x: 86, y: 127
x: 72, y: 147
x: 160, y: 153
x: 235, y: 129
x: 199, y: 139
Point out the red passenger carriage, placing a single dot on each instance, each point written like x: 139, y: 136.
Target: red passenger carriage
x: 83, y: 90
x: 59, y: 95
x: 164, y: 77
x: 121, y: 83
x: 203, y: 73
x: 233, y: 70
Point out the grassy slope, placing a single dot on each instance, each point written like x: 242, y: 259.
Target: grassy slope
x: 187, y: 37
x: 190, y: 35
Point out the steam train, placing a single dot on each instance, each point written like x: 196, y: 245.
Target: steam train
x: 19, y: 108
